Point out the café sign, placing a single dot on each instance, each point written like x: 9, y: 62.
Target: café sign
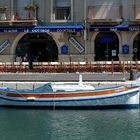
x: 76, y: 44
x: 4, y: 45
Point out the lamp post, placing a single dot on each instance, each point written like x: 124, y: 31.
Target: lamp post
x: 85, y: 29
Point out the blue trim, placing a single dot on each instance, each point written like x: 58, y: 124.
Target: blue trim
x: 43, y: 29
x: 127, y: 106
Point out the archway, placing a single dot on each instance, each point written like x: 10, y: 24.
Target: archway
x: 106, y: 46
x: 136, y: 47
x: 38, y: 47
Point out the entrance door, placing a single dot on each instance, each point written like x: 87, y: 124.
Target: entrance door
x: 106, y: 47
x: 136, y: 48
x: 38, y: 47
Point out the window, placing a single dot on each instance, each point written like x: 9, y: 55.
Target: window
x: 62, y: 10
x: 62, y: 13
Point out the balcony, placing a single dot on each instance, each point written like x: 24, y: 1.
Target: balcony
x: 105, y: 14
x: 22, y: 17
x: 135, y: 13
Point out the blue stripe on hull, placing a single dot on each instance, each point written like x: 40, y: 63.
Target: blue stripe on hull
x: 127, y: 106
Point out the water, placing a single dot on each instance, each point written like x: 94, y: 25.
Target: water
x: 42, y: 124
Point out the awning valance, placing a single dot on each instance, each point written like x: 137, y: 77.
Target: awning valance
x: 43, y: 29
x: 118, y: 28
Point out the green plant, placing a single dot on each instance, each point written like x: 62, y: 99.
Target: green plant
x: 3, y: 8
x: 30, y: 7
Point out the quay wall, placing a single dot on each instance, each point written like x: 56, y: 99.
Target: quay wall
x: 33, y: 80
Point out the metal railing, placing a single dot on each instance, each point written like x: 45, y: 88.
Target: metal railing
x: 15, y: 15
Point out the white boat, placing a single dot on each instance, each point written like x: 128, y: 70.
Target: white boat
x: 44, y: 96
x: 72, y: 86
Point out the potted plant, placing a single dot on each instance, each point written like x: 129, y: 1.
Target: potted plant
x: 30, y: 7
x: 3, y: 8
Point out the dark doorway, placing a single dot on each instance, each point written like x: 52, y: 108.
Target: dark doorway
x: 136, y: 48
x: 38, y: 47
x: 106, y: 47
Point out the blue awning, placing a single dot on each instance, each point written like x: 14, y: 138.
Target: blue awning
x: 123, y: 25
x: 117, y: 28
x: 43, y: 29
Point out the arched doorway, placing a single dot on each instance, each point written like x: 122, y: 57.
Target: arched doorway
x: 106, y: 46
x: 136, y: 48
x: 38, y: 47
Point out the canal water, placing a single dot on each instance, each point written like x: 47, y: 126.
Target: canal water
x: 42, y: 124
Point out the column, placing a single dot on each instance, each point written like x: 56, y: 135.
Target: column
x: 125, y: 40
x: 12, y: 9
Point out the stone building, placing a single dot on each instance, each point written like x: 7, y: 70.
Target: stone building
x: 69, y: 30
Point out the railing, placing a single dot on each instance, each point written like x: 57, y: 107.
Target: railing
x: 17, y: 16
x: 104, y: 12
x: 71, y: 67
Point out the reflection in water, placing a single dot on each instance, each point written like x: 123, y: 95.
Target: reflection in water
x: 35, y: 124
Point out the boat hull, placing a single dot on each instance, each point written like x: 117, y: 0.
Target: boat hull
x: 124, y: 100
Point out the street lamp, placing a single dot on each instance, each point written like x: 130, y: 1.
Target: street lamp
x: 85, y: 29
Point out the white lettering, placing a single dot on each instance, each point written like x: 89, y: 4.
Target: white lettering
x: 40, y: 31
x: 134, y: 29
x: 66, y: 30
x: 113, y: 29
x: 96, y: 29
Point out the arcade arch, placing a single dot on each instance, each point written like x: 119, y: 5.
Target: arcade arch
x: 136, y: 47
x: 37, y: 47
x: 106, y: 46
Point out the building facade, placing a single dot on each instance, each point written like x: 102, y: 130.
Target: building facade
x: 69, y: 30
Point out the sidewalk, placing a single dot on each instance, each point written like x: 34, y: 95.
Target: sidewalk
x: 63, y: 77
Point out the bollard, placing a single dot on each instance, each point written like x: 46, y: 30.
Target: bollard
x: 133, y: 74
x: 30, y: 64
